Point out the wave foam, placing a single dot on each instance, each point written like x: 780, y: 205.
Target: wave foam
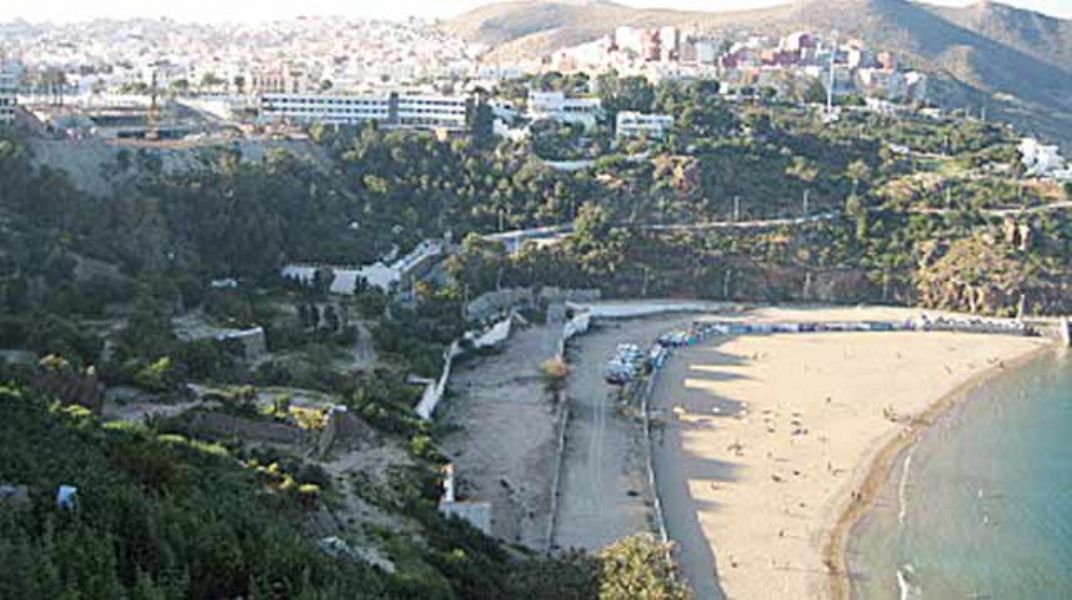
x: 909, y: 590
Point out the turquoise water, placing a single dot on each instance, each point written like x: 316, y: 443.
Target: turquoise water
x: 982, y: 506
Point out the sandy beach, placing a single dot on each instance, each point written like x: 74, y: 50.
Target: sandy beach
x: 767, y: 444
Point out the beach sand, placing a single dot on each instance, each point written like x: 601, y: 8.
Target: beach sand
x: 764, y: 443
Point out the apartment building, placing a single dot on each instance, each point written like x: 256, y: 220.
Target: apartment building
x: 7, y: 98
x: 394, y: 110
x: 636, y: 125
x: 557, y: 107
x: 433, y: 112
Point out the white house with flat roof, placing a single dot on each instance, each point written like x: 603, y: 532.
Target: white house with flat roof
x: 630, y: 124
x: 557, y: 107
x: 1041, y: 160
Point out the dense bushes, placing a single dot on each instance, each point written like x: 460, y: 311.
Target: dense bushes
x: 153, y: 520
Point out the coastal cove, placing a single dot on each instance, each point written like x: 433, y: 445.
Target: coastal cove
x: 977, y: 506
x: 763, y: 443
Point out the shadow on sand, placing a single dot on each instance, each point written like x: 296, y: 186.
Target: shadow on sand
x: 699, y: 369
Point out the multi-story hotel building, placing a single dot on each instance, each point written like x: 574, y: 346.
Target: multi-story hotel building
x: 394, y: 110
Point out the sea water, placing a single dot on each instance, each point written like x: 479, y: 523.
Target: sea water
x: 981, y: 507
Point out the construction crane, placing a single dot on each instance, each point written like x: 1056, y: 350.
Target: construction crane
x: 152, y: 117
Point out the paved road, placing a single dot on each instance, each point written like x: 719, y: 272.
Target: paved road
x: 516, y: 238
x: 513, y: 240
x: 999, y: 212
x: 603, y: 495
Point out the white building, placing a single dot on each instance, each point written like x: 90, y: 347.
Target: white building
x: 7, y: 98
x: 629, y: 39
x: 707, y: 51
x: 635, y: 125
x: 381, y: 274
x: 1041, y: 160
x: 557, y: 107
x: 433, y: 112
x: 393, y: 110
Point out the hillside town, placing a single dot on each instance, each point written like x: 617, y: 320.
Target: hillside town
x: 799, y: 59
x: 399, y: 74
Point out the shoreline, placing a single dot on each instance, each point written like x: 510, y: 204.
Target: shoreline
x: 767, y: 437
x: 850, y: 512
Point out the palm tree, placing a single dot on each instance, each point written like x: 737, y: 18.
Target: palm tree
x: 858, y: 171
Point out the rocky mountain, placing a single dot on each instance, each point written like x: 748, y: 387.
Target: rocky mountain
x: 1015, y: 64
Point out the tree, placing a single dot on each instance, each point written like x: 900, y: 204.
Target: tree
x: 210, y: 80
x: 483, y: 124
x: 815, y: 93
x: 639, y: 567
x: 179, y: 86
x: 331, y: 319
x: 554, y: 372
x: 322, y: 280
x: 591, y: 224
x: 859, y: 172
x: 857, y: 212
x: 625, y: 93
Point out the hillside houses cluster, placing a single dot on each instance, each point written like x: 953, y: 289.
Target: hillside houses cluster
x: 850, y: 66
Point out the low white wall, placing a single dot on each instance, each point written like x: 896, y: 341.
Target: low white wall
x: 498, y: 333
x: 377, y: 275
x: 643, y: 308
x: 433, y: 392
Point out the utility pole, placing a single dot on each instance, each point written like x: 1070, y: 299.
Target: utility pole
x: 736, y: 208
x: 807, y: 192
x: 830, y: 90
x: 726, y: 285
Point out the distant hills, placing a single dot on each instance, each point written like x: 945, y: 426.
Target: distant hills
x: 1017, y: 64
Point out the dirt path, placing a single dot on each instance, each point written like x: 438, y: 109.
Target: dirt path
x: 502, y: 434
x: 139, y: 412
x: 603, y: 495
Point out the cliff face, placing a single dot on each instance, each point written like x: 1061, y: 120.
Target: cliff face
x: 979, y: 275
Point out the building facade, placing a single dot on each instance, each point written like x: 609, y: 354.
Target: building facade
x: 557, y: 107
x: 643, y: 125
x: 7, y: 98
x: 392, y: 111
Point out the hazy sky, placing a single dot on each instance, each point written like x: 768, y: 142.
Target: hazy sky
x: 242, y: 10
